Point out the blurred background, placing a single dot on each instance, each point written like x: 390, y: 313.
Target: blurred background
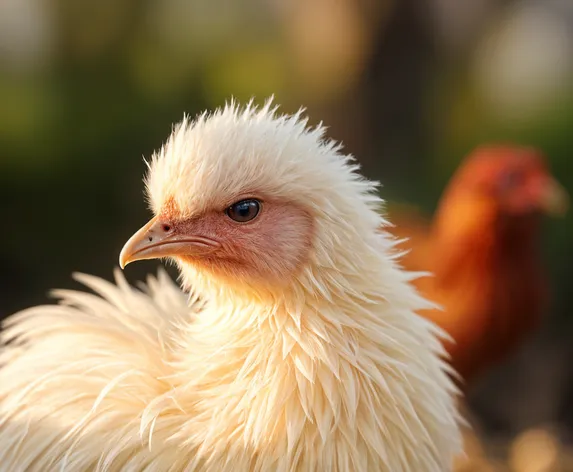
x: 410, y: 86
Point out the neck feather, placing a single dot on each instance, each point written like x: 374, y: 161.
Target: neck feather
x: 472, y: 234
x: 338, y: 360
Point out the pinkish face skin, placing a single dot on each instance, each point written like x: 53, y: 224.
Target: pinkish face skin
x: 261, y: 240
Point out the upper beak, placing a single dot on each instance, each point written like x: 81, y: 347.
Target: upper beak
x: 160, y: 239
x: 554, y: 199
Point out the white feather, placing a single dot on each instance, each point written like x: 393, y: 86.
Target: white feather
x: 337, y: 372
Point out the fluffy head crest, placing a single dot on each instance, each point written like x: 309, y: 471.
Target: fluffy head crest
x: 219, y: 158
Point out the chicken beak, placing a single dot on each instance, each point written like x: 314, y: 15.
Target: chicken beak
x: 554, y: 199
x: 159, y: 239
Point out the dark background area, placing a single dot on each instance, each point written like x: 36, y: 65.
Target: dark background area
x: 410, y: 86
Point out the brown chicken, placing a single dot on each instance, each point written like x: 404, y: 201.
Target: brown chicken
x: 483, y: 250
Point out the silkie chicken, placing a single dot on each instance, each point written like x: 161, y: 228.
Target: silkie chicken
x: 298, y: 346
x: 482, y: 250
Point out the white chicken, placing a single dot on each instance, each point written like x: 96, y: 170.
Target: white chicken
x: 300, y: 349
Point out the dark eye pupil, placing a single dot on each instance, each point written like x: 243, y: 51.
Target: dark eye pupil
x: 244, y: 210
x: 509, y: 179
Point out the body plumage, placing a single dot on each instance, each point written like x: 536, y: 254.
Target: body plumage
x: 301, y: 348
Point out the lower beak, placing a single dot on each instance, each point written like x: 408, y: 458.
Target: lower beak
x: 160, y: 239
x: 554, y: 198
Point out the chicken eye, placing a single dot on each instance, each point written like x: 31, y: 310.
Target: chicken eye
x: 243, y: 211
x: 508, y: 180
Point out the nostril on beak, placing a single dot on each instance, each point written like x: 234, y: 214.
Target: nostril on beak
x: 166, y: 228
